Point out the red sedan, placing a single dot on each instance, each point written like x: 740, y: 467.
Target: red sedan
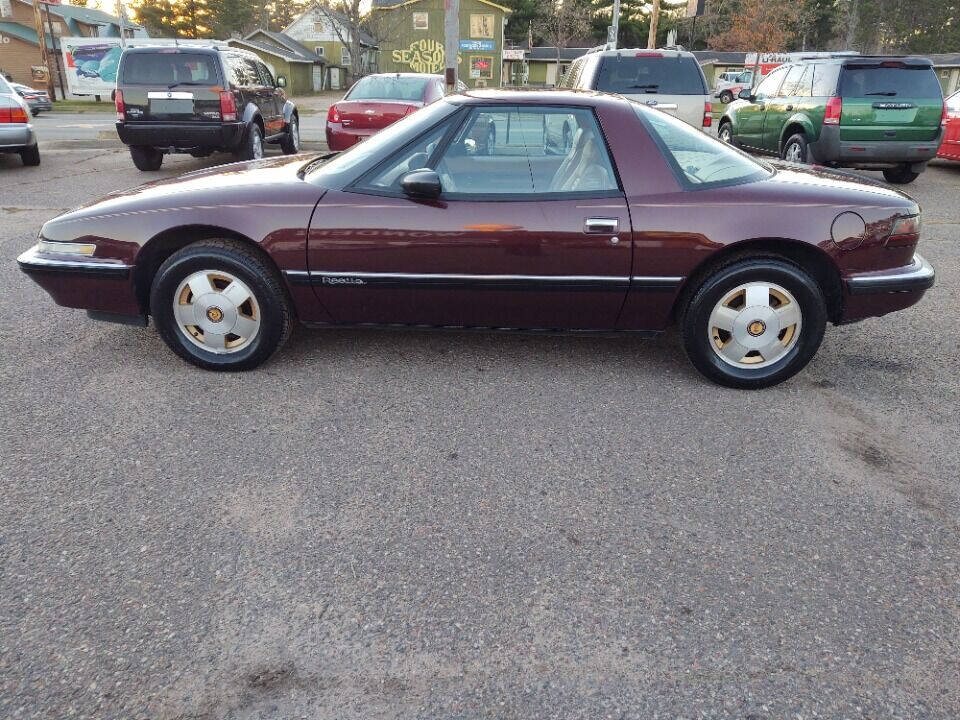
x: 377, y: 101
x: 950, y: 147
x: 639, y: 221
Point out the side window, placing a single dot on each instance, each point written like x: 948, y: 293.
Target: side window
x: 789, y: 87
x: 825, y: 80
x: 252, y: 73
x: 265, y: 75
x: 238, y: 71
x: 805, y: 85
x: 771, y: 83
x: 414, y: 156
x: 508, y: 151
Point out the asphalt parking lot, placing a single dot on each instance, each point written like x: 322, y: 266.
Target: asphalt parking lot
x: 449, y: 525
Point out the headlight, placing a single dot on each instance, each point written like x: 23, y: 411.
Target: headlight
x: 66, y: 248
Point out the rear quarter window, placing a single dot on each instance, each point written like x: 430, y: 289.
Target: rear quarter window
x: 825, y: 80
x: 660, y: 75
x: 911, y: 82
x: 168, y: 69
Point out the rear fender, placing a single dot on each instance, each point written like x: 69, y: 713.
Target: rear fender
x: 797, y: 119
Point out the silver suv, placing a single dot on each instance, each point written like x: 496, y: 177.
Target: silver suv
x: 669, y: 80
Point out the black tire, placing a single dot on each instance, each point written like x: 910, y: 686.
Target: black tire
x: 798, y: 141
x: 248, y: 265
x: 695, y: 321
x: 30, y: 156
x: 900, y: 175
x: 202, y: 153
x: 247, y: 150
x: 34, y: 112
x: 146, y: 158
x: 725, y: 128
x: 290, y: 144
x: 726, y: 96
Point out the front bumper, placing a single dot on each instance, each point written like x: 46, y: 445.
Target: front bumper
x: 100, y: 285
x: 830, y: 149
x: 182, y: 136
x: 874, y: 294
x: 13, y: 137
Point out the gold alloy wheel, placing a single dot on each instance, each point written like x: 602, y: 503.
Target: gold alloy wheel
x: 754, y: 325
x: 216, y: 311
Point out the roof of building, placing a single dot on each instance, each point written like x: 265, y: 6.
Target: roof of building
x: 944, y: 59
x: 389, y: 4
x: 23, y: 32
x: 89, y: 16
x: 279, y: 52
x: 550, y: 53
x: 285, y: 41
x: 719, y: 57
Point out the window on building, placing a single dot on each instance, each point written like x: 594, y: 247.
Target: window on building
x: 421, y: 21
x: 344, y: 55
x: 481, y: 26
x: 319, y: 28
x: 319, y: 50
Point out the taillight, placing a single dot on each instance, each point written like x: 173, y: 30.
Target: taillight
x: 228, y: 106
x: 410, y: 110
x: 905, y: 232
x: 707, y: 114
x: 13, y: 115
x: 649, y: 54
x: 121, y: 109
x: 333, y: 114
x: 834, y: 110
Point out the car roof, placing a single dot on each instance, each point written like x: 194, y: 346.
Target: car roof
x: 404, y: 75
x: 538, y: 96
x: 863, y: 60
x: 650, y: 52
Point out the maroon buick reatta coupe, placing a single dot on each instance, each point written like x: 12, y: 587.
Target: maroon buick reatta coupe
x: 629, y: 220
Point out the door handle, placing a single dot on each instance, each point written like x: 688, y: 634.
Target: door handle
x: 601, y: 226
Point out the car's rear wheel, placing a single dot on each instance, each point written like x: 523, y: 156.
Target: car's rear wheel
x: 291, y: 141
x: 754, y: 323
x: 30, y: 155
x: 34, y: 112
x: 146, y: 158
x: 219, y: 305
x: 900, y: 175
x: 725, y: 134
x: 252, y: 148
x: 795, y: 149
x: 726, y: 96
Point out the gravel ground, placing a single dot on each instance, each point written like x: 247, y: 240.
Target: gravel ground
x: 415, y: 525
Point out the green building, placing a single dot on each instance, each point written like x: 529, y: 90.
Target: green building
x: 415, y: 43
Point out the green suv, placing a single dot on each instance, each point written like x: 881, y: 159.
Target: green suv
x: 852, y: 111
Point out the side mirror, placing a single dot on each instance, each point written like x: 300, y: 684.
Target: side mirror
x: 281, y: 81
x: 747, y: 94
x: 422, y: 183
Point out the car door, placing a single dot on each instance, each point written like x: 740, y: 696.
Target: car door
x: 273, y: 100
x: 520, y: 237
x: 779, y: 108
x: 750, y: 116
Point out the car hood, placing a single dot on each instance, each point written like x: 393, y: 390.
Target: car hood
x: 836, y: 187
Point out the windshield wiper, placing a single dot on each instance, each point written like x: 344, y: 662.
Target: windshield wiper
x: 311, y: 164
x: 888, y: 93
x: 171, y: 86
x: 654, y: 86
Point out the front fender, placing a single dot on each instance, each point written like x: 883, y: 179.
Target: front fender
x: 730, y: 114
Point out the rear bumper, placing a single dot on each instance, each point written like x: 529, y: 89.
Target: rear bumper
x: 877, y: 293
x: 227, y: 136
x: 829, y: 148
x: 14, y: 137
x: 100, y: 285
x: 341, y: 138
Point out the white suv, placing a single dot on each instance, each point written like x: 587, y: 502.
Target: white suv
x: 668, y: 80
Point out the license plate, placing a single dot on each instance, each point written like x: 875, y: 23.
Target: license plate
x: 168, y: 106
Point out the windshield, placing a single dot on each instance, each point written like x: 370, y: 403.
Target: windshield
x: 359, y: 158
x: 388, y: 88
x: 699, y: 160
x: 904, y: 81
x: 663, y: 75
x: 168, y: 68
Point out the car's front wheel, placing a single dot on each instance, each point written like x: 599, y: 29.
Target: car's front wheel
x: 291, y: 141
x: 146, y: 158
x: 754, y: 323
x: 219, y: 305
x: 900, y: 175
x: 795, y: 149
x: 726, y: 96
x: 725, y: 134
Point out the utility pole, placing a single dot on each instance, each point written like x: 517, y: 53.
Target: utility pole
x: 56, y: 55
x: 42, y: 39
x: 451, y: 44
x: 123, y: 24
x: 614, y: 26
x: 654, y: 19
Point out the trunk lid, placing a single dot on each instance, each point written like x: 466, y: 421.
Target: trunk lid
x: 373, y: 114
x: 889, y: 100
x: 170, y: 85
